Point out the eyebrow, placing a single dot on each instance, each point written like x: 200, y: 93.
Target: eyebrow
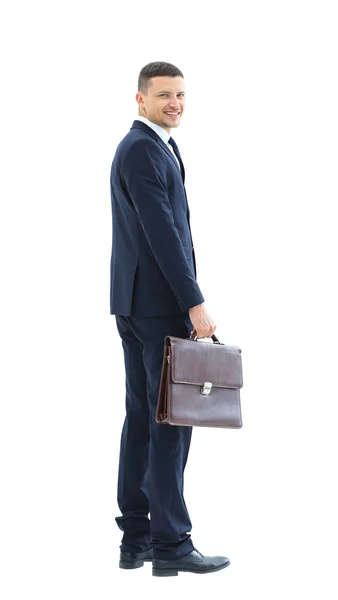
x: 166, y: 91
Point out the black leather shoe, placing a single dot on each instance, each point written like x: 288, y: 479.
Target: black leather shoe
x: 194, y: 562
x: 134, y: 560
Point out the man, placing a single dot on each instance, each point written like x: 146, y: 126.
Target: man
x: 154, y: 293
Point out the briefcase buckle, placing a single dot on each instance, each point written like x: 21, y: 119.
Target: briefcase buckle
x: 206, y: 388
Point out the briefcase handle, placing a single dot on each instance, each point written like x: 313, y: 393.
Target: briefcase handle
x: 213, y: 337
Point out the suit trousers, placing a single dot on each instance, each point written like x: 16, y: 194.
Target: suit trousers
x: 152, y: 456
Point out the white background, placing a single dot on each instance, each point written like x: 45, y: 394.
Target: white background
x: 259, y: 144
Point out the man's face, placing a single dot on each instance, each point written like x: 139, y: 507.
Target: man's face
x: 165, y: 95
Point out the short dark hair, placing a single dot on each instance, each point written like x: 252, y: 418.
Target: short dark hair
x: 155, y: 69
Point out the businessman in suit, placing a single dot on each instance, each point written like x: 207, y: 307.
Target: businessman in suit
x: 154, y: 293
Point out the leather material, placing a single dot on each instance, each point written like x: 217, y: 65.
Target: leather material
x: 188, y: 365
x: 194, y: 562
x: 134, y: 560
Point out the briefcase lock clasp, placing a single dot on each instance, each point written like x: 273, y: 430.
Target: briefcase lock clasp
x: 206, y: 388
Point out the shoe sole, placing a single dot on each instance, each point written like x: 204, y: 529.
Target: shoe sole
x: 174, y: 572
x: 133, y: 564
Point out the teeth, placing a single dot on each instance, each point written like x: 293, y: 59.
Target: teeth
x: 171, y: 113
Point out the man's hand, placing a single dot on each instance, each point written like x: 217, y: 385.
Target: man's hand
x: 203, y: 324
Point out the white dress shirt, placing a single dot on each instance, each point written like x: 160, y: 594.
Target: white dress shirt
x: 164, y: 135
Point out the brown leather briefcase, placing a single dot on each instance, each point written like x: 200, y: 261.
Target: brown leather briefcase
x: 200, y: 383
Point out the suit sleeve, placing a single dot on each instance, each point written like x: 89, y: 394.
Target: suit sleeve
x: 143, y: 172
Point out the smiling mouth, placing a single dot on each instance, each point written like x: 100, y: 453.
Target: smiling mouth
x: 172, y: 114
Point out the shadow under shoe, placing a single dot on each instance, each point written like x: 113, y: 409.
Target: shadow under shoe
x: 134, y: 560
x: 194, y: 562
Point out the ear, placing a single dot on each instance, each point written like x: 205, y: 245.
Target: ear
x: 139, y: 98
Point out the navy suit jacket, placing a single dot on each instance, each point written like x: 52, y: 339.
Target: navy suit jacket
x: 152, y: 268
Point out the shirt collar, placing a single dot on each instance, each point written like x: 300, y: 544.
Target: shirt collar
x: 164, y: 135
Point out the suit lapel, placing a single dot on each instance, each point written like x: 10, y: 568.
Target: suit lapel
x: 181, y: 163
x: 168, y: 151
